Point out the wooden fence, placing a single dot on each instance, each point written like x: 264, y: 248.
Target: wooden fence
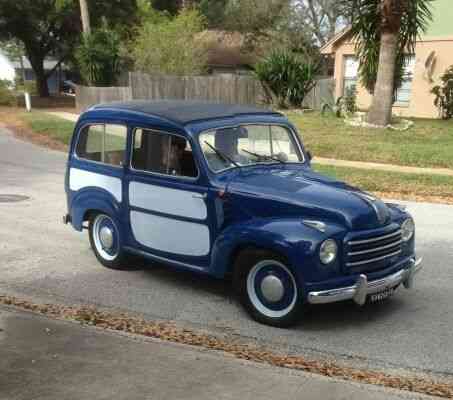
x: 323, y: 92
x: 231, y: 89
x: 88, y: 96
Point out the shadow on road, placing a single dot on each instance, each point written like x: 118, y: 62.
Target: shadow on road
x: 183, y: 279
x: 320, y: 317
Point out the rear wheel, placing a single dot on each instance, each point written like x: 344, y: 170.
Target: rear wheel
x: 105, y: 240
x: 268, y: 288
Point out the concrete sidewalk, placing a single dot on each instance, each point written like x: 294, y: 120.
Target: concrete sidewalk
x: 64, y: 115
x: 41, y: 358
x: 328, y: 161
x: 383, y: 167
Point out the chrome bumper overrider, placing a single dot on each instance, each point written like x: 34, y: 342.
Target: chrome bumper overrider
x: 363, y: 288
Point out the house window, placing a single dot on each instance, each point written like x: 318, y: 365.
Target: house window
x: 351, y: 70
x: 403, y: 93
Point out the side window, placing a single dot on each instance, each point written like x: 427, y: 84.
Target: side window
x: 163, y: 153
x: 104, y: 143
x: 403, y: 93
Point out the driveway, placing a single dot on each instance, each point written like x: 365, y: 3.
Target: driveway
x: 44, y: 260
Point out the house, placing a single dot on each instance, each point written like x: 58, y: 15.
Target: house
x: 433, y: 55
x: 227, y: 52
x: 7, y: 71
x: 10, y: 69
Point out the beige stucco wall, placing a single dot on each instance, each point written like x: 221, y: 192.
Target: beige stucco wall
x: 421, y: 103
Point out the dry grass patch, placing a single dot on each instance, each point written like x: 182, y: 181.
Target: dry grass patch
x: 37, y: 127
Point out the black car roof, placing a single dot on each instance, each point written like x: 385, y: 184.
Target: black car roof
x: 184, y: 112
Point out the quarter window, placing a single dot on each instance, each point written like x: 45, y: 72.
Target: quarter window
x: 163, y: 153
x: 105, y: 143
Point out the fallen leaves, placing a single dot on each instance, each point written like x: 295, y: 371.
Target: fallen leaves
x: 90, y: 315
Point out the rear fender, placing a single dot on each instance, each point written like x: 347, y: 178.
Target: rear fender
x: 92, y: 199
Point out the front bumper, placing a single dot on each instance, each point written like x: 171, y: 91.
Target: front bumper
x: 363, y: 288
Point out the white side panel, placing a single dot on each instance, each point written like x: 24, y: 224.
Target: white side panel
x: 168, y: 201
x: 170, y: 235
x: 79, y: 179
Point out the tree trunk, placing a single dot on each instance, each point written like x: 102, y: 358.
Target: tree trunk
x: 380, y: 113
x: 37, y: 64
x: 85, y: 16
x: 36, y: 59
x: 41, y: 83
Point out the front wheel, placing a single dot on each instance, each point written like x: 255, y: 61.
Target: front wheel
x: 105, y: 240
x: 267, y: 288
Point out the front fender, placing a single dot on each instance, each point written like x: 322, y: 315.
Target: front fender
x: 288, y: 237
x: 92, y: 198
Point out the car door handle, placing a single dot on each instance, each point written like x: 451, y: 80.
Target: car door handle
x: 202, y: 196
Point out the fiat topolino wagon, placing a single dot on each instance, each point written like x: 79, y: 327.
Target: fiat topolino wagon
x: 228, y: 191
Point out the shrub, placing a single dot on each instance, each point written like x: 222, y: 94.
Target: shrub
x: 28, y: 86
x: 350, y: 100
x: 171, y: 46
x: 7, y: 97
x: 98, y: 57
x: 286, y: 78
x: 444, y: 94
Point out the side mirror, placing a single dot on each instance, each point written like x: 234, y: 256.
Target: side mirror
x: 310, y: 157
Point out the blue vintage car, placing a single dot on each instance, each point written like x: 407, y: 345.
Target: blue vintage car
x: 228, y: 190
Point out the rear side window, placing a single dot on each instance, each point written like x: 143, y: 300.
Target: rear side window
x: 163, y: 153
x: 104, y: 143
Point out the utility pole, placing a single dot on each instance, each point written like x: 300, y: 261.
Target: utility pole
x: 85, y: 15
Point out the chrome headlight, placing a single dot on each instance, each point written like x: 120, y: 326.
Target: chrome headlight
x: 407, y: 229
x: 328, y: 251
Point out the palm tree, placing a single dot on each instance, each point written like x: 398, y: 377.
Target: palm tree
x: 386, y: 32
x: 85, y: 17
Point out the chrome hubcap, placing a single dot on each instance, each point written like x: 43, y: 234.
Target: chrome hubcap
x: 106, y: 237
x: 272, y: 288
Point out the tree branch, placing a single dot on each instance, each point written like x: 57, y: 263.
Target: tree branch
x: 50, y: 72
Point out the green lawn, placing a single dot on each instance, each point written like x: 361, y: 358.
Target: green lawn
x: 56, y: 128
x: 415, y: 186
x: 429, y: 143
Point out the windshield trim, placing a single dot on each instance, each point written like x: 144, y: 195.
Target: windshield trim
x: 287, y: 127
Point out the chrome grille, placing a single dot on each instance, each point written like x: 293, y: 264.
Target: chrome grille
x: 373, y: 253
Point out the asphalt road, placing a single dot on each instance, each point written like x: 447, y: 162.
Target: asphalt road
x: 44, y: 260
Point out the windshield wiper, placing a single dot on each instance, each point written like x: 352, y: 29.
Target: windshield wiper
x: 222, y: 155
x: 265, y: 156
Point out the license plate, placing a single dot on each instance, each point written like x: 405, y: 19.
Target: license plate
x: 385, y: 294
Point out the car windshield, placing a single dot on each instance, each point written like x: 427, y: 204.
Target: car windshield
x: 248, y: 144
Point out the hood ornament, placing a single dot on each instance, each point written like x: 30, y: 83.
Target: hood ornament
x: 372, y: 201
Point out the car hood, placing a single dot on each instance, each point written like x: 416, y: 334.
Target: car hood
x: 299, y: 191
